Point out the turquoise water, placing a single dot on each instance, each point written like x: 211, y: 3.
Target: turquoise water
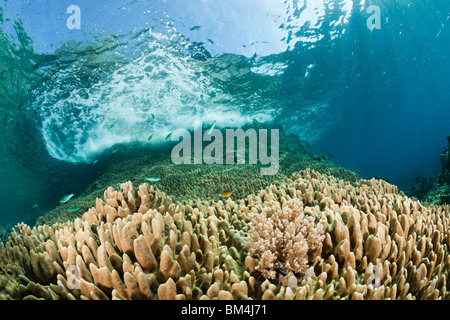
x: 376, y: 99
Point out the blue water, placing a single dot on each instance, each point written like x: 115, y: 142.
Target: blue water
x: 376, y: 99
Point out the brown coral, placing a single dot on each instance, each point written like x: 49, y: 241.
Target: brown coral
x: 137, y: 244
x: 283, y: 237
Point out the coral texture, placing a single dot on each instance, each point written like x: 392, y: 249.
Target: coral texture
x: 283, y: 237
x: 190, y: 182
x: 138, y: 244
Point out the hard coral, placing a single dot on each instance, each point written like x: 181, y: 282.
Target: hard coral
x: 283, y: 237
x: 138, y: 244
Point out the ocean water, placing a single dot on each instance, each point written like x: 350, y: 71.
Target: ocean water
x: 366, y: 82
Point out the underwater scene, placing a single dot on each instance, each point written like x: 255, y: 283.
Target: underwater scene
x: 225, y: 150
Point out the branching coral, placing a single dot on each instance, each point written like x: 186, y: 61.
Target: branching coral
x: 283, y: 237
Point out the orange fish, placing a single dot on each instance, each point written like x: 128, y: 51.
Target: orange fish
x: 225, y: 193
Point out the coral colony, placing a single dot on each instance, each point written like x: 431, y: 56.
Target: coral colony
x: 311, y: 237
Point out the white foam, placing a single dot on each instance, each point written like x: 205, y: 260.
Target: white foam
x: 162, y: 81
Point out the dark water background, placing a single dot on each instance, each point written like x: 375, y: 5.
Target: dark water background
x: 377, y: 100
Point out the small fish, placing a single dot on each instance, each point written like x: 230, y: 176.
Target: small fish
x: 153, y: 116
x: 95, y: 161
x: 168, y: 136
x: 66, y: 198
x: 211, y: 128
x: 35, y: 206
x: 115, y: 150
x: 73, y: 209
x: 151, y: 136
x: 153, y: 179
x: 225, y: 193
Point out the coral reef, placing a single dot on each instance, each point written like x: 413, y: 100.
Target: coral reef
x: 444, y: 176
x: 184, y: 183
x: 4, y: 232
x: 439, y: 195
x: 422, y: 187
x: 190, y: 182
x: 436, y: 193
x: 139, y: 244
